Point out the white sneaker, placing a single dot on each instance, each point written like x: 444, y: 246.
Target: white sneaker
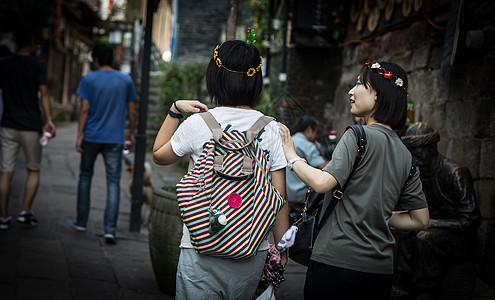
x: 110, y: 238
x: 5, y: 223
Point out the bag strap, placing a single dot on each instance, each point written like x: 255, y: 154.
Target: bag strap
x: 212, y: 123
x: 251, y: 133
x: 257, y: 127
x: 339, y: 193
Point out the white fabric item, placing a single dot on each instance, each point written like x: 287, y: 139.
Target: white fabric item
x: 193, y: 133
x: 287, y: 239
x: 268, y: 294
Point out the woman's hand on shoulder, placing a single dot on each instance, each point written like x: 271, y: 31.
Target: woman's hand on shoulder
x: 189, y: 106
x: 287, y: 143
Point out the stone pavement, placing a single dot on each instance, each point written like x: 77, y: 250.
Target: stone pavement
x: 53, y: 261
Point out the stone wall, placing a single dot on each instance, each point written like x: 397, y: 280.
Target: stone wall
x: 201, y: 25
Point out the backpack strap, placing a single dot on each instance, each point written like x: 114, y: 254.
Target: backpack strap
x: 212, y: 123
x: 247, y: 165
x: 251, y: 133
x: 257, y: 127
x: 339, y: 193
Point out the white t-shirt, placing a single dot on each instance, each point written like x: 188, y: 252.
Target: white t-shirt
x: 193, y: 134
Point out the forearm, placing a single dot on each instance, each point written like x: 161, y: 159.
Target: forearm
x: 410, y: 220
x: 162, y: 145
x: 45, y: 103
x: 282, y: 219
x: 132, y: 124
x: 318, y: 180
x: 162, y: 149
x: 132, y: 115
x: 448, y: 223
x: 83, y: 116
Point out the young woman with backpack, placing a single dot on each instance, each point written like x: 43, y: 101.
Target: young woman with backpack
x: 353, y: 253
x: 234, y: 81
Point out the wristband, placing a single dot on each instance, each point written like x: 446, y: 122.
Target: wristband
x: 176, y: 107
x: 175, y: 115
x: 292, y: 161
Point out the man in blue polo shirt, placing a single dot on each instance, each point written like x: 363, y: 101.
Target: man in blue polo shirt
x: 107, y: 96
x: 304, y: 141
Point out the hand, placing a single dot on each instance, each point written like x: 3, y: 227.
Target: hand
x: 287, y: 143
x: 283, y: 258
x: 78, y: 144
x: 132, y: 138
x: 189, y: 106
x: 50, y: 127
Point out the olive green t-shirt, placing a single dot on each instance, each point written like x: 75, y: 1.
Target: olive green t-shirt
x: 356, y: 236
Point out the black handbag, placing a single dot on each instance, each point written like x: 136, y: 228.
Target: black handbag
x: 307, y: 221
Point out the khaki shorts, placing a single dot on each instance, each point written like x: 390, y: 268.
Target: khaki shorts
x: 12, y: 140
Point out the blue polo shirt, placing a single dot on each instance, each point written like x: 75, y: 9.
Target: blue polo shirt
x: 108, y: 93
x: 296, y: 189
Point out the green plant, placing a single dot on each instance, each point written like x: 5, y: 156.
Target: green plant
x: 265, y: 104
x: 181, y: 81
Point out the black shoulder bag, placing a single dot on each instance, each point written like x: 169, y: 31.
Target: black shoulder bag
x: 307, y: 223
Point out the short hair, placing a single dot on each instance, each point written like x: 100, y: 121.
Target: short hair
x: 104, y: 54
x: 231, y: 88
x: 4, y: 51
x: 305, y: 122
x: 24, y: 38
x: 391, y: 103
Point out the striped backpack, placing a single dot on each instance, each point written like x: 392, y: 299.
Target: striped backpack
x: 226, y: 200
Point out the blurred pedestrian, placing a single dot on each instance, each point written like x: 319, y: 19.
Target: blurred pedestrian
x: 353, y: 253
x: 22, y: 77
x: 106, y: 96
x: 304, y: 142
x: 4, y: 52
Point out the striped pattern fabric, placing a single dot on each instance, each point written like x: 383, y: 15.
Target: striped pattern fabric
x: 201, y: 190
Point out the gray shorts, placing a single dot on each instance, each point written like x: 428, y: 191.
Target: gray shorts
x: 207, y: 277
x: 12, y: 140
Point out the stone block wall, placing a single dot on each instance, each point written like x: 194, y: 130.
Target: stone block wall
x: 201, y: 24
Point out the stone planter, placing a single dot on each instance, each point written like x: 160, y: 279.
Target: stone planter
x: 165, y: 232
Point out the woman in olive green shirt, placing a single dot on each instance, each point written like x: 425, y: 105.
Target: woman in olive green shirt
x: 353, y: 253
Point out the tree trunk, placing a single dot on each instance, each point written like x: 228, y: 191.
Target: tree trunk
x: 232, y: 6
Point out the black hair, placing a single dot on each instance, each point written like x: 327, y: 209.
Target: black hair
x: 4, y: 51
x: 391, y: 103
x: 231, y: 88
x: 104, y: 54
x: 305, y: 122
x: 24, y: 38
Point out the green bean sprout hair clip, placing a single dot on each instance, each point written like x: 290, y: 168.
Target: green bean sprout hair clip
x: 250, y: 41
x: 250, y: 36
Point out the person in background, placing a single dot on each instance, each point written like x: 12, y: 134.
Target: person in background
x: 353, y: 253
x: 22, y: 77
x: 4, y: 52
x: 304, y: 142
x: 107, y: 97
